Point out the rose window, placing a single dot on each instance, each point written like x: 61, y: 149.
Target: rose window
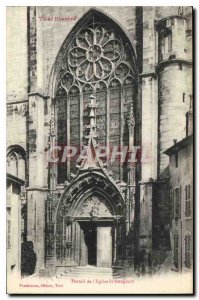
x: 94, y: 54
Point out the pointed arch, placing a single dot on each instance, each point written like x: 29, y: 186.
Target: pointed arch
x: 115, y: 83
x: 67, y: 80
x: 85, y: 184
x: 17, y: 149
x: 17, y: 161
x: 97, y: 52
x: 87, y: 88
x: 74, y: 89
x: 101, y: 85
x: 74, y: 126
x: 89, y: 198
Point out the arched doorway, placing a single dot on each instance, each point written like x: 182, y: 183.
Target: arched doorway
x: 95, y: 218
x: 90, y: 223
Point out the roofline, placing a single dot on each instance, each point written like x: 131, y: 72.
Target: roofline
x: 179, y: 145
x: 14, y: 179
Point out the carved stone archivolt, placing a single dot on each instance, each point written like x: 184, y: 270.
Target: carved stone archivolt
x: 75, y: 200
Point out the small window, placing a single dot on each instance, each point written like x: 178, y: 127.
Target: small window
x: 49, y: 210
x: 22, y: 225
x: 35, y: 223
x: 170, y: 42
x: 8, y: 234
x: 183, y: 97
x: 176, y: 159
x: 188, y: 251
x: 45, y: 107
x: 176, y: 251
x: 180, y: 67
x: 177, y: 203
x: 188, y: 200
x: 172, y: 204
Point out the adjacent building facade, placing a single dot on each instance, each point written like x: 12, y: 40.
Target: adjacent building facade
x: 181, y: 196
x: 82, y: 79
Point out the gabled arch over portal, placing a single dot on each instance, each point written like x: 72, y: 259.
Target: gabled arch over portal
x: 87, y: 184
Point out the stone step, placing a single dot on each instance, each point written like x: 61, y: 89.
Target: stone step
x: 95, y: 269
x: 87, y: 271
x: 86, y: 276
x: 91, y: 272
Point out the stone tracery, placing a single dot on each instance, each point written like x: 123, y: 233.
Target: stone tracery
x: 98, y: 60
x: 96, y: 53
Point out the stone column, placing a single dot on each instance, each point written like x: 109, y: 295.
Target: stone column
x: 149, y: 145
x: 146, y: 200
x: 37, y: 189
x: 37, y: 140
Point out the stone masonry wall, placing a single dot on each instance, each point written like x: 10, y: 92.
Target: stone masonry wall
x: 16, y: 75
x: 173, y: 108
x: 16, y: 54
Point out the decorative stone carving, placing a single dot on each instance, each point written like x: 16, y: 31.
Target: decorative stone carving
x: 52, y: 172
x: 74, y: 90
x: 131, y: 116
x: 66, y: 183
x: 61, y: 92
x: 51, y: 204
x: 94, y: 53
x: 122, y: 71
x: 22, y: 196
x: 81, y: 186
x: 67, y: 80
x: 52, y: 126
x: 95, y: 206
x: 94, y: 211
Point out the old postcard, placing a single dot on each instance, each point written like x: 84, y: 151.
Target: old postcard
x: 99, y: 150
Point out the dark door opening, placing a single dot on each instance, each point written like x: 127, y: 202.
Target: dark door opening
x: 90, y: 236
